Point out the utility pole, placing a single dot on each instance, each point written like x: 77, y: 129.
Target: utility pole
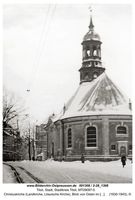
x: 29, y: 138
x: 33, y: 145
x: 29, y: 145
x: 17, y: 140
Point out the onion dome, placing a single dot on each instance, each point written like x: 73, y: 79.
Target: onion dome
x: 91, y: 35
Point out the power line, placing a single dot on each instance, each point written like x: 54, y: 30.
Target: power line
x: 42, y: 41
x: 36, y: 56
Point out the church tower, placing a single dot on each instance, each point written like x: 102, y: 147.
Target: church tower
x: 91, y: 55
x: 97, y: 119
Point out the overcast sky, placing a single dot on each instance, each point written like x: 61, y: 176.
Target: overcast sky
x: 43, y: 52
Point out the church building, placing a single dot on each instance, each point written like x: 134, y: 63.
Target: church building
x: 97, y: 119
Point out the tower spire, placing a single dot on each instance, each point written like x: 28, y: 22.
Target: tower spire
x: 91, y: 54
x: 91, y: 26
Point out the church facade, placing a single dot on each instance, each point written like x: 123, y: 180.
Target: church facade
x: 97, y: 120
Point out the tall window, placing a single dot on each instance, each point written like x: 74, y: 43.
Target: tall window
x: 69, y: 138
x: 121, y: 130
x: 91, y: 137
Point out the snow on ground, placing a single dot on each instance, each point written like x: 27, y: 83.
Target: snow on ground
x: 65, y: 172
x: 112, y: 168
x: 8, y: 176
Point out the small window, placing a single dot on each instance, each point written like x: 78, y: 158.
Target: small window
x: 130, y: 147
x: 95, y: 75
x: 86, y: 76
x: 121, y: 130
x: 69, y: 138
x: 113, y: 147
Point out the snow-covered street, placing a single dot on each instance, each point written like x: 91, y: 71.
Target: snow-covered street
x: 74, y: 172
x: 8, y: 176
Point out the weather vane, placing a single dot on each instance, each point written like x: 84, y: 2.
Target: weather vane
x: 90, y: 9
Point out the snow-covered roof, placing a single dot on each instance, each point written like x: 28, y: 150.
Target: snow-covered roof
x: 98, y: 97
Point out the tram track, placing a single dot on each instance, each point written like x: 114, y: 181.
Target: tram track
x: 19, y: 173
x: 37, y: 180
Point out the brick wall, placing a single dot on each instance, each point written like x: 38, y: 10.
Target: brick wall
x: 106, y: 136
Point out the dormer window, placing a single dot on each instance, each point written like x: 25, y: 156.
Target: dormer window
x: 95, y: 75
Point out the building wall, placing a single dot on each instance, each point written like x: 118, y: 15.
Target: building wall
x: 41, y: 143
x: 12, y: 143
x: 53, y: 145
x: 8, y: 147
x: 78, y: 137
x: 116, y: 139
x: 106, y: 127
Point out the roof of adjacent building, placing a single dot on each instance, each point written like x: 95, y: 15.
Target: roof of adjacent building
x: 98, y: 97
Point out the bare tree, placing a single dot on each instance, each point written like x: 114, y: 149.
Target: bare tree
x: 12, y: 108
x: 9, y: 111
x: 13, y: 114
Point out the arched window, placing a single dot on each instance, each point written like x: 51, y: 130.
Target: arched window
x: 95, y: 52
x: 121, y: 130
x: 69, y: 138
x: 91, y: 137
x: 88, y: 53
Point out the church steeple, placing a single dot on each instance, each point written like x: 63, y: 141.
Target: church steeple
x: 91, y: 55
x: 91, y: 26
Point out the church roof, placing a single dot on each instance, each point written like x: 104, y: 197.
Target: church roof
x: 98, y: 97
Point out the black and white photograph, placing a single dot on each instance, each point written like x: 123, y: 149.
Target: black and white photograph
x: 67, y: 98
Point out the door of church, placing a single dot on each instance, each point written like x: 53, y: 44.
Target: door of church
x: 122, y: 147
x: 123, y: 150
